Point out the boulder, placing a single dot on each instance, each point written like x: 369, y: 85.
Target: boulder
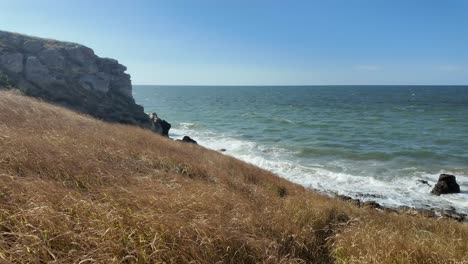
x: 188, y: 140
x: 447, y: 184
x: 165, y: 127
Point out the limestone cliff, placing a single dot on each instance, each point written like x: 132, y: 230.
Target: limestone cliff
x: 71, y: 75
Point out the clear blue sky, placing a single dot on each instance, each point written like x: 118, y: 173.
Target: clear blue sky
x: 249, y: 42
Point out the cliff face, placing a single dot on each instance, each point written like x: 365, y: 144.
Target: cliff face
x: 70, y: 75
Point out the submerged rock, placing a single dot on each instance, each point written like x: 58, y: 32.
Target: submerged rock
x: 424, y: 182
x: 447, y: 184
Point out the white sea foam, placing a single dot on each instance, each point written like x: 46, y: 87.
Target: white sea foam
x: 389, y: 191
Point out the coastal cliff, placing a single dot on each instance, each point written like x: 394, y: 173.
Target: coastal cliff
x: 70, y: 75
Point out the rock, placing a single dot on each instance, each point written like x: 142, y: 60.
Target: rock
x: 160, y: 126
x: 12, y: 62
x: 122, y: 85
x: 426, y: 212
x: 32, y: 46
x: 188, y: 140
x: 98, y: 82
x: 371, y: 204
x: 370, y: 195
x: 424, y: 182
x: 344, y: 197
x: 447, y: 184
x: 452, y: 214
x: 165, y: 127
x: 355, y: 202
x: 53, y: 59
x: 416, y: 211
x: 73, y: 76
x: 36, y: 72
x: 113, y: 66
x: 82, y: 55
x: 222, y: 150
x: 157, y: 128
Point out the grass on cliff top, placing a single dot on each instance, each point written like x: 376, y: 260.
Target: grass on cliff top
x: 77, y: 190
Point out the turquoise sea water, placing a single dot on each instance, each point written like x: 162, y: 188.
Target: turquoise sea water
x: 368, y: 142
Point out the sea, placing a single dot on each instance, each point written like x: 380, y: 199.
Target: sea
x: 377, y: 143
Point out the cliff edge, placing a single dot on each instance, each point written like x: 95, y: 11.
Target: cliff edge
x: 70, y: 75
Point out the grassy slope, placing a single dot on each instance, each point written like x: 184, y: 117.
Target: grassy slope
x: 75, y: 189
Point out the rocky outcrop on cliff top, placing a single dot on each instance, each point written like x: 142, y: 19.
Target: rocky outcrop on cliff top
x: 70, y: 75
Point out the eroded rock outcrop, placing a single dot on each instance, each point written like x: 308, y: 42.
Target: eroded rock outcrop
x: 159, y: 125
x: 71, y: 75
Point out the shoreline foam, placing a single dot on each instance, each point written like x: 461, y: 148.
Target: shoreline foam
x: 396, y: 194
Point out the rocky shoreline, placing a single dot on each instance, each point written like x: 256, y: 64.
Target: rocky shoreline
x: 446, y: 184
x: 450, y: 213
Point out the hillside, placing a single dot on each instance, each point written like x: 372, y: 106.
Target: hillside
x: 77, y: 190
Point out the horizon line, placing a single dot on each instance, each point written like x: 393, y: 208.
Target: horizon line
x: 294, y: 85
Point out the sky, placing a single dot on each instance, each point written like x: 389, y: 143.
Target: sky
x: 260, y: 42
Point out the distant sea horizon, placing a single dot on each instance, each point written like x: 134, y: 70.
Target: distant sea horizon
x: 356, y: 140
x: 303, y: 85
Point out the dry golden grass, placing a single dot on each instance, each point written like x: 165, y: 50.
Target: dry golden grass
x: 77, y: 190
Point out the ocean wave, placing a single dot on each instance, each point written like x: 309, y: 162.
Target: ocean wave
x: 398, y: 187
x: 189, y: 126
x: 338, y: 151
